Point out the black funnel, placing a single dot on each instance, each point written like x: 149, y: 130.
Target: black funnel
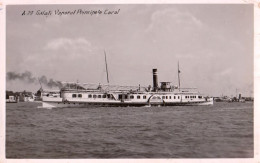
x: 155, y: 80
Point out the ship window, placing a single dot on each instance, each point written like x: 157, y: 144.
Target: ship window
x: 94, y: 96
x: 74, y: 95
x: 163, y: 97
x: 174, y: 97
x: 108, y: 96
x: 125, y: 96
x: 99, y: 96
x: 138, y: 97
x: 131, y: 97
x: 104, y: 96
x: 170, y: 97
x: 144, y: 97
x: 89, y: 96
x: 120, y: 96
x: 80, y: 95
x: 200, y: 96
x: 178, y: 97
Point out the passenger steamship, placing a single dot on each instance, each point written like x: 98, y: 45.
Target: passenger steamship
x: 84, y: 95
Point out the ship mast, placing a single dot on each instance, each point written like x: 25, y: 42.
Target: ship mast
x: 179, y: 76
x: 40, y: 84
x: 106, y: 66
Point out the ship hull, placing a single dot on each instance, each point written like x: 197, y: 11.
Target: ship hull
x: 60, y: 104
x: 52, y: 104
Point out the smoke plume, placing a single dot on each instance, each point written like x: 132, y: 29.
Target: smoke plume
x: 29, y: 78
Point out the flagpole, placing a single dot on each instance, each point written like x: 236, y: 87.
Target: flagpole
x: 106, y: 67
x: 179, y: 76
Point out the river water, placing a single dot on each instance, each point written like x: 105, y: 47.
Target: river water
x: 224, y: 130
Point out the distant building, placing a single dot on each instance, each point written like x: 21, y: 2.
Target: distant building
x: 26, y: 96
x: 233, y: 99
x: 11, y: 97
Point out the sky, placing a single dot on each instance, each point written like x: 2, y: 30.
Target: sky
x: 212, y: 43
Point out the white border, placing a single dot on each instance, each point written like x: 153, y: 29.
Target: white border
x: 3, y: 4
x: 256, y: 80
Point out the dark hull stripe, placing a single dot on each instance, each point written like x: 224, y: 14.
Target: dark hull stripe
x: 82, y: 104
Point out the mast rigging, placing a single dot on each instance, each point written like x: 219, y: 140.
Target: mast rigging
x: 179, y: 76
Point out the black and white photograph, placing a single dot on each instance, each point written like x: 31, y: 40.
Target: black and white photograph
x: 129, y: 81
